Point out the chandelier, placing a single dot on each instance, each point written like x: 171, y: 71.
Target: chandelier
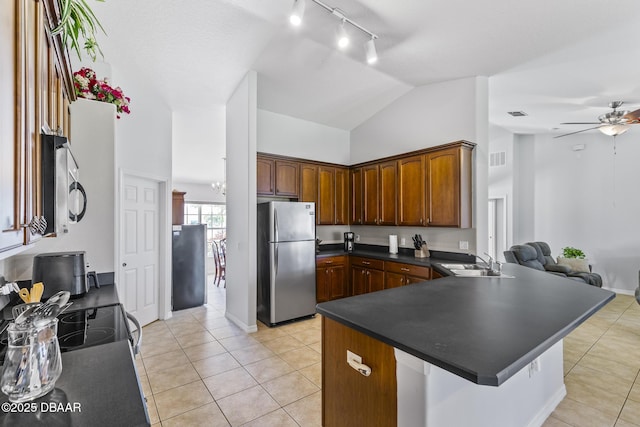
x: 221, y: 187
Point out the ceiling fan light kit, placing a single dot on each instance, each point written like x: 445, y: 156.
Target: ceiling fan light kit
x: 613, y: 123
x: 297, y: 13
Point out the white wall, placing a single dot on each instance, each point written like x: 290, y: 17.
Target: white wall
x: 428, y: 116
x: 241, y: 203
x: 198, y: 146
x: 198, y: 192
x: 500, y: 178
x: 288, y: 136
x: 524, y: 202
x: 589, y: 199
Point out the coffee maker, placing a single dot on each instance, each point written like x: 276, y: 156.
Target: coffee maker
x: 348, y: 241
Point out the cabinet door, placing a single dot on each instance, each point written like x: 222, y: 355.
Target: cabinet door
x: 393, y: 280
x: 323, y: 279
x: 370, y: 193
x: 375, y: 280
x: 443, y: 188
x: 11, y: 138
x: 265, y: 175
x: 325, y: 211
x: 338, y: 283
x: 436, y: 275
x: 177, y: 208
x: 388, y: 193
x: 411, y: 191
x: 357, y: 207
x: 286, y: 178
x: 308, y: 183
x: 342, y: 196
x: 358, y: 280
x: 409, y: 280
x: 348, y: 398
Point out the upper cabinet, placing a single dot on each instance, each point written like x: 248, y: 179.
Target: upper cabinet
x: 411, y: 191
x: 36, y: 89
x: 430, y: 187
x: 449, y: 187
x: 276, y: 177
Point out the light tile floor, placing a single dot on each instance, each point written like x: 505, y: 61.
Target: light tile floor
x: 199, y: 369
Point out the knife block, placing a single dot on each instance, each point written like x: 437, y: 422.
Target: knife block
x: 423, y: 252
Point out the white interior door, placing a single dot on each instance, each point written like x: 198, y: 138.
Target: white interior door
x: 139, y: 247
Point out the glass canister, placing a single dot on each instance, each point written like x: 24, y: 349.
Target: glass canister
x: 33, y: 363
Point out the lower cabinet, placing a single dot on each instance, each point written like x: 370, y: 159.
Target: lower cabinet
x: 331, y: 278
x: 348, y: 397
x: 400, y: 274
x: 367, y: 275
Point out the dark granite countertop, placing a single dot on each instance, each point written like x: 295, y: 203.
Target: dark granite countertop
x: 480, y: 328
x: 404, y: 255
x: 99, y: 386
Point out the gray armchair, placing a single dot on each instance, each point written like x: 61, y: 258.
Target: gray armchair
x: 550, y: 264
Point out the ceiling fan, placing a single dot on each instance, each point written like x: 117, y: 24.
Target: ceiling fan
x: 613, y: 123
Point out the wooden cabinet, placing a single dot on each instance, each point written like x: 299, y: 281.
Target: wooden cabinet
x: 325, y: 211
x: 309, y: 183
x: 400, y: 274
x: 388, y: 193
x: 449, y: 187
x: 349, y: 398
x: 411, y: 191
x: 276, y: 177
x: 357, y: 207
x: 342, y: 196
x: 265, y: 176
x: 370, y: 195
x: 331, y: 278
x: 367, y: 275
x: 36, y: 90
x: 436, y: 275
x: 177, y: 207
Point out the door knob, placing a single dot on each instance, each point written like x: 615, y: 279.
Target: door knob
x: 124, y: 264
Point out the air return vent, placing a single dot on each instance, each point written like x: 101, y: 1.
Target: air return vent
x: 499, y: 158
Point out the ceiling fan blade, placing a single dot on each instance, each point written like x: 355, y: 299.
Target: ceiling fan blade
x: 573, y: 133
x: 633, y: 116
x: 581, y: 123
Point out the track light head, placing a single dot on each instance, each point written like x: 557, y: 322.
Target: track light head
x: 297, y: 12
x: 370, y: 50
x: 343, y: 37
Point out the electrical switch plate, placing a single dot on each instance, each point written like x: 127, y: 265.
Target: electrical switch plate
x: 354, y: 357
x: 357, y: 237
x: 464, y: 244
x: 403, y: 241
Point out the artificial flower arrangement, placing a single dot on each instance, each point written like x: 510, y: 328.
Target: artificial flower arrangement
x: 88, y: 86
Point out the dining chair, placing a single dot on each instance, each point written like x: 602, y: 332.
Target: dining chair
x: 216, y: 259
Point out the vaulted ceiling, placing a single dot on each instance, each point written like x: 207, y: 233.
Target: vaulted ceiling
x: 556, y: 60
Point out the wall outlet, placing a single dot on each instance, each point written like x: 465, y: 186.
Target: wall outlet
x: 403, y: 241
x: 357, y: 237
x: 464, y: 245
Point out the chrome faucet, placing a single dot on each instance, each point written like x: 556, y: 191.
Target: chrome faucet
x: 493, y: 265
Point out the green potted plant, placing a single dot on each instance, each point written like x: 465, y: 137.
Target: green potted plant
x: 575, y: 259
x: 77, y: 21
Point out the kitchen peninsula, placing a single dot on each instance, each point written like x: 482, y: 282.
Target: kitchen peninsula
x: 453, y: 351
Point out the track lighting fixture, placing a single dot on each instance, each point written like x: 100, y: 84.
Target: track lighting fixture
x: 343, y: 37
x: 297, y: 13
x: 370, y: 49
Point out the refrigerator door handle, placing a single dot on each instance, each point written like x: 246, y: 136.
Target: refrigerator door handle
x: 275, y: 225
x: 276, y: 259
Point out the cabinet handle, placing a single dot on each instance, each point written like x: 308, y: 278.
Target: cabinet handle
x: 404, y: 269
x: 375, y: 220
x: 328, y: 262
x: 421, y: 221
x: 402, y: 280
x: 428, y: 220
x: 360, y: 367
x: 366, y: 262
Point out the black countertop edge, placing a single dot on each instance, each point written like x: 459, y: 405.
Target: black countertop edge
x: 404, y: 255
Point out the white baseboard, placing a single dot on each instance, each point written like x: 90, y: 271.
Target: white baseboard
x: 241, y: 324
x: 551, y: 405
x: 620, y: 291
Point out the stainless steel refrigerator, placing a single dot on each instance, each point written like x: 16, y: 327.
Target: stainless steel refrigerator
x: 188, y: 278
x: 286, y: 261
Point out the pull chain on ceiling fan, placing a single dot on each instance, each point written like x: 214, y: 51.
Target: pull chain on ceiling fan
x: 613, y: 123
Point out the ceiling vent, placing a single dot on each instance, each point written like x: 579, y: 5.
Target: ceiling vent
x: 498, y: 158
x: 517, y: 113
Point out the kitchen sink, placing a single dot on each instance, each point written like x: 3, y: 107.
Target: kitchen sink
x: 474, y: 270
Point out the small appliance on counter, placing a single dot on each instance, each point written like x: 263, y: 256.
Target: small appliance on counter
x: 63, y: 271
x: 348, y: 241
